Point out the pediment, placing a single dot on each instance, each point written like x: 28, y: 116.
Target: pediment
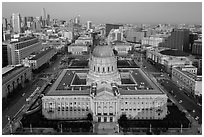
x: 105, y: 95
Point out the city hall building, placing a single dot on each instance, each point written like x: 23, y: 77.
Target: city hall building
x: 105, y: 91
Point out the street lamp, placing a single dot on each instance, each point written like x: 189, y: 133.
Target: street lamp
x: 10, y: 124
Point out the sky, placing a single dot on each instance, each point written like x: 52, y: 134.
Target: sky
x: 111, y: 12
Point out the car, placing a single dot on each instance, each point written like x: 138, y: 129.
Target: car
x: 180, y: 101
x: 23, y: 95
x: 197, y: 118
x: 199, y: 104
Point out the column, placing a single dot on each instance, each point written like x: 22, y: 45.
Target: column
x: 96, y: 108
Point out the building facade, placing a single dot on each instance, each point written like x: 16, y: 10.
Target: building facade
x: 39, y: 59
x: 179, y: 39
x: 16, y: 23
x: 153, y: 41
x: 104, y: 91
x: 109, y: 27
x: 197, y: 47
x: 122, y: 48
x: 13, y: 76
x: 78, y: 49
x: 187, y: 79
x: 23, y: 48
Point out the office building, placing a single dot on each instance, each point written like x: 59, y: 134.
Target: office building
x: 5, y: 55
x: 43, y: 15
x: 85, y: 40
x: 168, y: 58
x: 14, y: 76
x: 185, y: 78
x: 36, y: 26
x: 89, y: 25
x: 153, y: 41
x: 16, y: 23
x: 39, y: 59
x: 115, y: 35
x: 23, y: 48
x: 69, y: 35
x: 179, y: 39
x: 134, y: 35
x: 4, y: 24
x: 104, y: 91
x: 77, y: 20
x: 109, y: 27
x: 197, y: 47
x: 78, y: 49
x: 121, y: 47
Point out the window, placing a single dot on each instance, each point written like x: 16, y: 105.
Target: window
x: 112, y: 68
x: 94, y: 68
x: 103, y: 69
x: 108, y: 69
x: 98, y: 69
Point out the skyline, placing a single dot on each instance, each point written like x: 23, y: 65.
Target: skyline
x: 132, y: 12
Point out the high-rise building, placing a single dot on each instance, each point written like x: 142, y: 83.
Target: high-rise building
x: 43, y: 14
x: 111, y: 26
x: 48, y: 19
x: 18, y: 50
x: 4, y: 24
x: 5, y: 60
x: 77, y: 19
x: 89, y: 25
x: 36, y: 26
x: 16, y: 23
x: 179, y: 39
x: 197, y: 47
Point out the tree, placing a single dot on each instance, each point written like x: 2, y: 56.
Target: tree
x: 89, y: 117
x: 115, y: 52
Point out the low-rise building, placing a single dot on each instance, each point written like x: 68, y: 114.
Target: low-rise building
x: 14, y: 76
x: 153, y: 41
x: 121, y: 47
x: 78, y: 49
x: 39, y: 59
x: 170, y: 60
x: 84, y: 40
x: 186, y: 79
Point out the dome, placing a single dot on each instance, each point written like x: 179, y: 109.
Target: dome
x: 103, y: 51
x: 171, y: 52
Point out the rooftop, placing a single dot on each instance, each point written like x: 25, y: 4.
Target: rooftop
x: 41, y: 54
x: 171, y: 52
x: 73, y: 82
x: 21, y: 39
x: 12, y: 73
x: 191, y: 75
x: 7, y: 69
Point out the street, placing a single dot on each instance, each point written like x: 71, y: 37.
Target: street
x: 20, y: 100
x: 188, y: 103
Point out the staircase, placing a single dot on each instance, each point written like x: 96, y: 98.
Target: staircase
x: 106, y: 128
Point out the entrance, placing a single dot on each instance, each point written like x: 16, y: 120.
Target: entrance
x: 99, y: 119
x: 111, y: 119
x: 105, y: 119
